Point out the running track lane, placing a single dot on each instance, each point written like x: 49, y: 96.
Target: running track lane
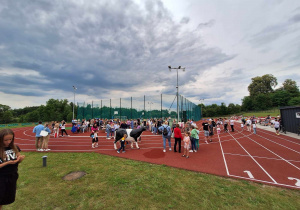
x: 264, y: 158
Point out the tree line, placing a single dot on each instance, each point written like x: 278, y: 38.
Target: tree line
x: 53, y: 110
x: 262, y: 96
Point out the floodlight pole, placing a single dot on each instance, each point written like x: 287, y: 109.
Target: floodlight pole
x: 177, y: 95
x: 74, y: 100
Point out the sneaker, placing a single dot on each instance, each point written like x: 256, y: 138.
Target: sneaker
x: 210, y: 140
x: 206, y: 142
x: 107, y: 138
x: 195, y: 150
x: 170, y: 149
x: 38, y: 150
x: 164, y: 150
x: 41, y: 150
x: 123, y: 152
x: 183, y: 155
x: 48, y: 149
x: 68, y: 135
x: 191, y: 150
x: 187, y: 156
x: 118, y: 151
x: 93, y: 147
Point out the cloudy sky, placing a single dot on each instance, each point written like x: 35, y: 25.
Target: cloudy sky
x: 122, y: 48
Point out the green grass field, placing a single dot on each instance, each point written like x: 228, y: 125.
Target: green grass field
x: 117, y: 183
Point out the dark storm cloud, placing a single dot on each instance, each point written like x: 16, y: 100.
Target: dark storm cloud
x: 97, y: 45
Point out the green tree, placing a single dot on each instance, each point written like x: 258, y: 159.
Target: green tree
x: 262, y: 85
x: 7, y: 116
x: 262, y: 102
x: 294, y: 101
x: 33, y: 116
x: 280, y: 97
x: 247, y: 103
x: 291, y: 87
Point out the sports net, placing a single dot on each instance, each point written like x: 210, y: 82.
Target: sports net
x: 146, y: 107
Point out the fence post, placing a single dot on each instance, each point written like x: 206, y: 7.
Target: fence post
x: 160, y: 105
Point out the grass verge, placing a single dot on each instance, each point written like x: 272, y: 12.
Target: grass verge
x: 116, y: 183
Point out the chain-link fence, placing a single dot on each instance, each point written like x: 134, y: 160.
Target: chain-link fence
x: 159, y: 106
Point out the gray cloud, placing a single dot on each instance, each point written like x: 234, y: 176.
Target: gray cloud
x: 99, y: 45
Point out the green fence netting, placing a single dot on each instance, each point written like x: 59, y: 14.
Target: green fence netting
x: 145, y: 107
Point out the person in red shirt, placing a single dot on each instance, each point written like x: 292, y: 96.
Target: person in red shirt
x: 178, y: 138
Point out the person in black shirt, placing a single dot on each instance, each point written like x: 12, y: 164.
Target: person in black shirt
x: 205, y: 126
x: 10, y: 158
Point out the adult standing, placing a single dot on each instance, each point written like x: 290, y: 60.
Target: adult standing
x: 194, y: 136
x: 38, y: 138
x: 56, y: 129
x: 166, y: 134
x: 249, y: 122
x: 211, y: 130
x: 178, y: 138
x: 225, y: 125
x: 46, y: 138
x: 232, y: 124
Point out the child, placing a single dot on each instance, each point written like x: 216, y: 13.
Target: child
x: 122, y: 144
x: 94, y: 135
x: 242, y: 126
x: 186, y: 141
x: 254, y: 127
x: 9, y: 159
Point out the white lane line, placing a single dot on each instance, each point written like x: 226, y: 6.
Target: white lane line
x: 227, y: 171
x: 278, y: 144
x: 274, y: 153
x: 260, y: 157
x: 256, y: 162
x: 277, y: 137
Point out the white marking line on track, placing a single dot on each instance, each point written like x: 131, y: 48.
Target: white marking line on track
x: 256, y: 162
x: 297, y: 181
x: 278, y: 144
x: 249, y: 174
x: 223, y: 156
x: 260, y: 157
x: 274, y: 153
x: 264, y: 181
x: 271, y: 134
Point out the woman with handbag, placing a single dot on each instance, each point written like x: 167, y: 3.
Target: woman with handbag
x: 46, y: 138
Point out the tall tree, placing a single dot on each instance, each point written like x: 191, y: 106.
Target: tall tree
x: 291, y: 87
x: 262, y: 85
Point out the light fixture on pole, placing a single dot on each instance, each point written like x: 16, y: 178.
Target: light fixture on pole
x: 183, y: 69
x: 75, y: 88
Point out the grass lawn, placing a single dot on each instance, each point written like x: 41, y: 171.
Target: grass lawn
x: 117, y: 183
x: 272, y: 113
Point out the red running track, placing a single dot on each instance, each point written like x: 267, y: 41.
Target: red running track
x: 263, y: 157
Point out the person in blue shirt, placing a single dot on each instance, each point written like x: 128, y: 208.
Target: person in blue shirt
x: 166, y: 134
x: 38, y: 138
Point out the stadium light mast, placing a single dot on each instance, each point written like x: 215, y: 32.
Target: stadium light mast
x: 183, y: 69
x: 75, y: 88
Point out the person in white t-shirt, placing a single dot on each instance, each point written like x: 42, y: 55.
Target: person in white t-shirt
x: 248, y: 122
x: 276, y: 126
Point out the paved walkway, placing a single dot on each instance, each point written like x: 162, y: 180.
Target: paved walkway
x: 268, y: 128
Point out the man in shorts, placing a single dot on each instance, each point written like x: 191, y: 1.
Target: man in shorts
x: 205, y: 126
